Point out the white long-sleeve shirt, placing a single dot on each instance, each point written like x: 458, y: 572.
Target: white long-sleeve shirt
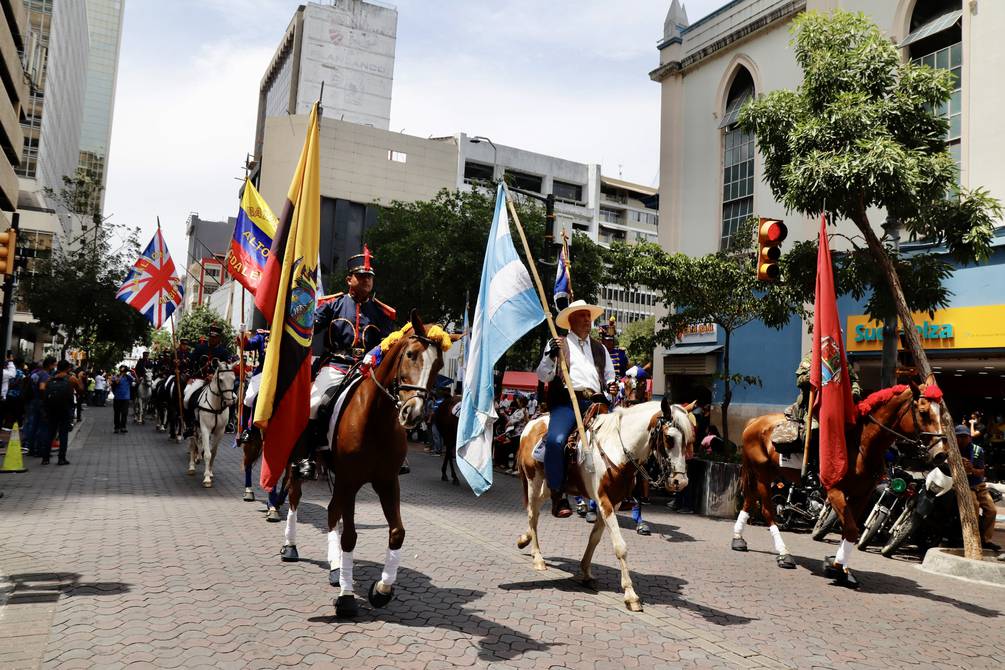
x: 582, y: 371
x: 9, y: 373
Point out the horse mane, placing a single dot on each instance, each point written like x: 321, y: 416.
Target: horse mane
x: 682, y: 422
x: 874, y: 400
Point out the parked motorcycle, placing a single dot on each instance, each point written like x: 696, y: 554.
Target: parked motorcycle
x: 894, y: 492
x: 798, y: 506
x: 929, y: 517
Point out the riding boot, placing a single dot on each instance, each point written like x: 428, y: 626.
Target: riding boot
x: 317, y: 431
x: 560, y: 506
x: 248, y: 435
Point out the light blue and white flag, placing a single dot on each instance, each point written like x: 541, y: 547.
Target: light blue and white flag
x: 465, y: 345
x: 507, y: 308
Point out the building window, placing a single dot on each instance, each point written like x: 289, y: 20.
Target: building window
x: 477, y: 172
x: 569, y: 192
x: 397, y: 156
x: 936, y: 40
x: 527, y: 182
x: 737, y: 161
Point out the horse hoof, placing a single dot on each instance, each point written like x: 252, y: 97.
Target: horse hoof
x: 785, y: 561
x: 333, y: 577
x: 207, y: 483
x: 831, y: 570
x: 288, y: 554
x: 272, y: 516
x: 346, y: 607
x: 540, y: 565
x: 443, y: 478
x: 378, y: 599
x: 522, y: 541
x: 191, y: 471
x: 739, y: 544
x: 249, y: 496
x: 846, y: 579
x: 634, y: 605
x: 586, y: 582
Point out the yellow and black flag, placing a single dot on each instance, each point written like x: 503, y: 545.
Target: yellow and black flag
x: 286, y: 296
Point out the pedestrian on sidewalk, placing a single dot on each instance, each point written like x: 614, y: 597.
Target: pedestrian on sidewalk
x: 36, y: 422
x: 973, y: 465
x: 13, y: 405
x: 122, y: 386
x: 100, y: 389
x: 59, y: 392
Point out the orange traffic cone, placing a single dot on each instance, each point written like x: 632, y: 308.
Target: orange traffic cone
x: 13, y: 461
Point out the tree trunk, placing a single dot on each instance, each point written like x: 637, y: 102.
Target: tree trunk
x: 727, y: 396
x: 968, y: 515
x: 889, y: 370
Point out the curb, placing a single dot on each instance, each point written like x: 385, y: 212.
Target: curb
x: 950, y: 562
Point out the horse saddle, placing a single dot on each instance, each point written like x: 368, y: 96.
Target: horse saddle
x: 334, y: 401
x: 787, y: 436
x: 573, y: 450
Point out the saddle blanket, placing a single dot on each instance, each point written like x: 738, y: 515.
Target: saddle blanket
x: 793, y: 460
x: 340, y: 403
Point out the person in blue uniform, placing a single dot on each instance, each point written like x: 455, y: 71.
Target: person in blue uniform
x: 254, y: 344
x: 200, y: 368
x: 351, y: 324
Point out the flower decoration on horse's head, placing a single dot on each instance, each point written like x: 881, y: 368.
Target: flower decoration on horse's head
x: 440, y: 336
x: 394, y: 338
x: 437, y: 334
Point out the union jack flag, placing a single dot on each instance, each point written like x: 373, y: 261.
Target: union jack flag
x: 151, y: 286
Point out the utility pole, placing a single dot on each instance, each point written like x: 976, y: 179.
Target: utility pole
x: 7, y: 320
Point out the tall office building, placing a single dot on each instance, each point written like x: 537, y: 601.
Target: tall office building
x: 12, y: 29
x: 104, y: 29
x: 348, y: 47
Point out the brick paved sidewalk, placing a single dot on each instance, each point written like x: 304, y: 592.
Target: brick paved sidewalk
x: 121, y: 559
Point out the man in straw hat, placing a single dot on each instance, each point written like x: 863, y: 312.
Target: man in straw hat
x: 591, y: 373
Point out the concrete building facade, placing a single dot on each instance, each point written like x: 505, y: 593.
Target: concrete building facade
x: 12, y: 32
x: 711, y: 175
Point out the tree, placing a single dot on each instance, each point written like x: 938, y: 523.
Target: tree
x: 161, y: 341
x: 74, y: 290
x: 429, y: 256
x: 719, y: 288
x: 195, y: 323
x: 860, y: 132
x: 639, y: 339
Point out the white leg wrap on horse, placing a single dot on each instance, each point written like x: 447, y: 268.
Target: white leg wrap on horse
x: 843, y: 553
x: 391, y: 562
x: 334, y: 549
x: 291, y: 527
x: 741, y: 522
x: 345, y: 574
x: 776, y: 535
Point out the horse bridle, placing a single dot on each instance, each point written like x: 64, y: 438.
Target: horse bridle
x: 663, y: 460
x: 919, y: 436
x: 219, y: 393
x: 396, y: 387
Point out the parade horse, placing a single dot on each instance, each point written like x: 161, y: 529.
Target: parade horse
x: 446, y: 423
x: 166, y: 398
x: 620, y: 445
x: 212, y: 401
x: 144, y: 390
x: 907, y: 413
x: 369, y: 445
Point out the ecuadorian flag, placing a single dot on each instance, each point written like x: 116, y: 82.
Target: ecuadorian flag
x: 249, y: 248
x: 287, y: 295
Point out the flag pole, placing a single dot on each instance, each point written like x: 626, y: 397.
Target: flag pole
x: 568, y: 263
x: 240, y: 389
x: 177, y: 375
x: 563, y: 366
x: 809, y: 430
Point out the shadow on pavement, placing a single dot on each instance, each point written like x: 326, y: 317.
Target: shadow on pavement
x: 653, y: 589
x: 882, y: 583
x: 420, y: 603
x: 43, y: 587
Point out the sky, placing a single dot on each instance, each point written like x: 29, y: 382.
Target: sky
x: 567, y: 78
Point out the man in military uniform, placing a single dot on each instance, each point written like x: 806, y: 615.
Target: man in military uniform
x: 254, y: 344
x: 797, y: 410
x: 200, y: 369
x: 352, y: 323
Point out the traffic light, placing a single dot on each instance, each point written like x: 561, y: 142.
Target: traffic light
x: 770, y: 233
x: 7, y: 256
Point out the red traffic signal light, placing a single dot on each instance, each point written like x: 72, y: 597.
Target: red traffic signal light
x: 8, y: 240
x: 770, y: 234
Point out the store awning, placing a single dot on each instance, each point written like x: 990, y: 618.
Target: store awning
x: 936, y: 25
x: 520, y: 381
x: 688, y: 351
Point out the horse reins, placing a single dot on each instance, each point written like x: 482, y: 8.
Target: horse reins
x: 220, y: 393
x: 662, y: 460
x: 915, y: 418
x: 397, y: 387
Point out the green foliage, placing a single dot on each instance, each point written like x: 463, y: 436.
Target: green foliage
x: 639, y: 339
x: 74, y: 290
x: 860, y: 132
x: 160, y: 341
x: 196, y: 322
x: 429, y: 256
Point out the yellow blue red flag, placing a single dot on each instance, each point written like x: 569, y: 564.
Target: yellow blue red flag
x: 286, y: 295
x: 249, y: 248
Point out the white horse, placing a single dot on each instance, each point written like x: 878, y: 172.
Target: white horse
x: 213, y: 400
x: 144, y: 389
x: 619, y: 447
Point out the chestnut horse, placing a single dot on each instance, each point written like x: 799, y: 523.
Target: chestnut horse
x: 369, y: 448
x: 909, y: 413
x: 620, y: 445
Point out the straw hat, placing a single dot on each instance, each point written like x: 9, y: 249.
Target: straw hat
x: 562, y: 320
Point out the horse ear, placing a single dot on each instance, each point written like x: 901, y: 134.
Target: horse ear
x: 915, y: 390
x: 416, y: 320
x: 665, y: 406
x: 690, y: 406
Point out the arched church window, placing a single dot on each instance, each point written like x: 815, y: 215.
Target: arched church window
x: 737, y: 159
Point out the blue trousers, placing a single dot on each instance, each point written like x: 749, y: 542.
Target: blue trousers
x: 562, y: 421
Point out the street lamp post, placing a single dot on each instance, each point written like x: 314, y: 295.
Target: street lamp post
x: 478, y: 139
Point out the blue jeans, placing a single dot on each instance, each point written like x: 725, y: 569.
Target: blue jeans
x: 562, y: 421
x: 36, y: 429
x: 59, y: 424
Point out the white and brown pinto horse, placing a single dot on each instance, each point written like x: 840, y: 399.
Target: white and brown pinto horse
x: 213, y: 401
x: 620, y: 445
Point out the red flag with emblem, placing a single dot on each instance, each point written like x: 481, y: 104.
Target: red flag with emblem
x: 829, y: 370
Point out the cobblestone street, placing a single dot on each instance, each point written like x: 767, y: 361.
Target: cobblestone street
x: 121, y: 559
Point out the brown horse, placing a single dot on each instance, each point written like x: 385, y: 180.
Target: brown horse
x: 446, y: 423
x: 370, y: 448
x: 904, y: 412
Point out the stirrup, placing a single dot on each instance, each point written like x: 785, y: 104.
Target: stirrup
x: 304, y: 469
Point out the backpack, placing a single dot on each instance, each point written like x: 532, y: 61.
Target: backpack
x: 28, y: 388
x: 16, y: 385
x: 58, y: 394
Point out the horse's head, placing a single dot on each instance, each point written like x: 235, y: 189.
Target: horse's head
x: 926, y: 420
x: 223, y: 381
x: 910, y: 412
x: 420, y: 361
x: 674, y: 442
